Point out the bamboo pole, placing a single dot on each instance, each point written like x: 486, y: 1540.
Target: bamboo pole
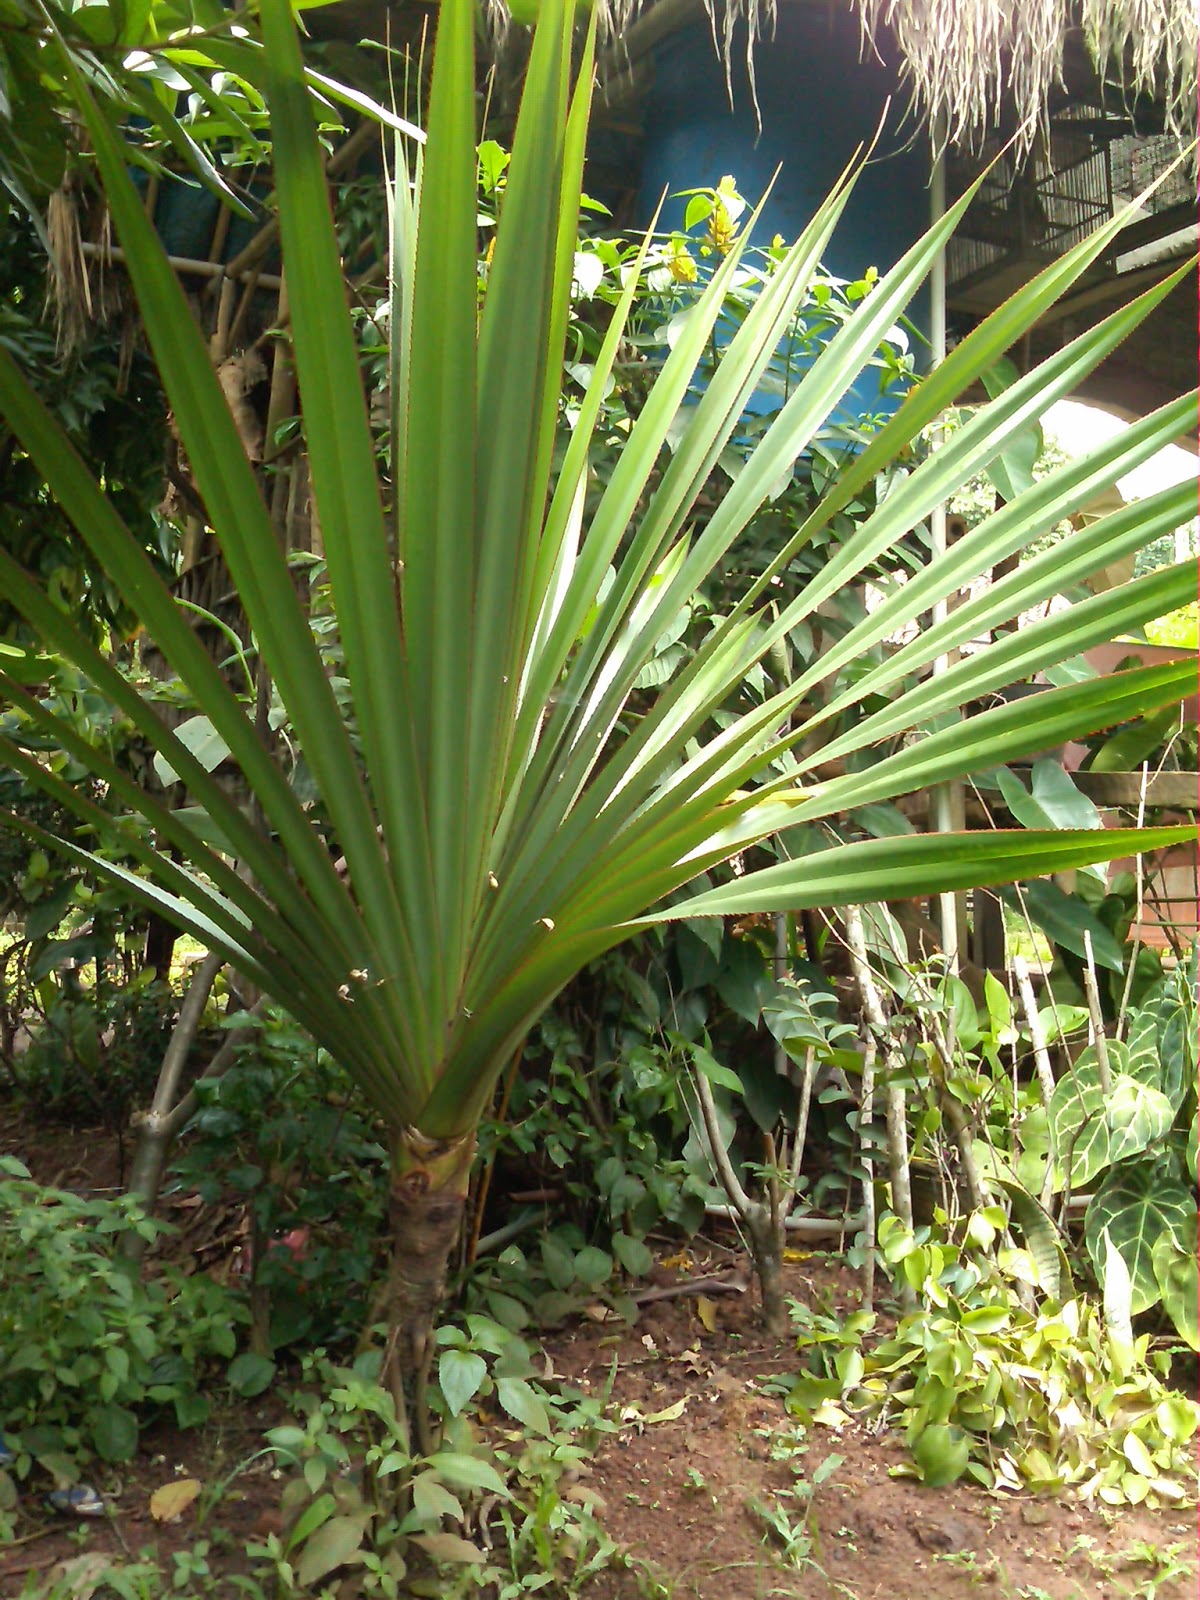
x: 1096, y: 1015
x: 946, y: 799
x: 188, y: 266
x: 870, y: 1227
x: 895, y: 1107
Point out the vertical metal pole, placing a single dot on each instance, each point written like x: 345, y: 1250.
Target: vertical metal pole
x: 946, y: 799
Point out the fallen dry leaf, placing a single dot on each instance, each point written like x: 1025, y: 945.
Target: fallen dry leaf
x: 168, y: 1503
x: 830, y: 1415
x: 706, y: 1310
x: 82, y: 1575
x: 668, y: 1415
x: 725, y: 1383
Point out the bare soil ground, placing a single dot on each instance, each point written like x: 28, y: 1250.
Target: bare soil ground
x: 683, y: 1493
x: 686, y: 1485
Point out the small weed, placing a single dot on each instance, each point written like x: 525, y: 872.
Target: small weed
x: 143, y: 1579
x: 794, y: 1538
x: 967, y: 1561
x: 1168, y: 1563
x: 191, y: 1565
x: 795, y: 1534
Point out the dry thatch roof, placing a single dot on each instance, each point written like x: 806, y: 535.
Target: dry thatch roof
x: 965, y: 59
x: 972, y: 64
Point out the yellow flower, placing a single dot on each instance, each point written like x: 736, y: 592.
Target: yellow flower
x: 681, y: 266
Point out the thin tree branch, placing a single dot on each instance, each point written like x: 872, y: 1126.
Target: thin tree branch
x: 895, y: 1106
x: 742, y: 1202
x: 1099, y: 1037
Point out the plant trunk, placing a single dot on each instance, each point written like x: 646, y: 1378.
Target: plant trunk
x: 157, y: 1128
x: 766, y: 1246
x: 426, y: 1205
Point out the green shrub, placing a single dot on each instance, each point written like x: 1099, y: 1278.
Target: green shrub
x: 87, y: 1351
x: 1040, y: 1396
x: 287, y: 1134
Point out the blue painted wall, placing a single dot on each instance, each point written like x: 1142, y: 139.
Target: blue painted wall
x: 818, y: 102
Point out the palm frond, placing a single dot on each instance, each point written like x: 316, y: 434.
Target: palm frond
x: 507, y: 805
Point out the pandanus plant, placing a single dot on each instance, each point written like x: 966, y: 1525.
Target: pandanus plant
x: 499, y: 812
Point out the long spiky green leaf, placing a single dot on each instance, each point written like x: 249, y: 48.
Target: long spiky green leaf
x: 437, y: 528
x: 361, y: 567
x: 252, y: 551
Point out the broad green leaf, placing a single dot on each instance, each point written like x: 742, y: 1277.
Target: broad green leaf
x: 1175, y: 1272
x: 1065, y: 919
x: 432, y: 1501
x: 1080, y: 1138
x: 460, y: 1376
x: 1012, y: 470
x: 114, y: 1432
x: 202, y: 740
x: 1138, y: 1116
x: 1043, y: 1239
x: 467, y: 1472
x: 593, y: 1266
x: 723, y: 1077
x: 1136, y: 1206
x: 559, y: 1262
x: 987, y: 1319
x: 1138, y: 1456
x: 1118, y: 1294
x: 1141, y: 1047
x: 1127, y: 750
x: 1052, y: 801
x: 26, y: 667
x: 337, y: 1543
x: 449, y: 1547
x: 743, y: 981
x: 633, y: 1254
x: 1162, y: 1037
x: 250, y: 1374
x: 523, y: 1405
x: 941, y: 1453
x: 1178, y: 1418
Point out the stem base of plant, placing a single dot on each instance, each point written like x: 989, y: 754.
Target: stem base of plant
x: 426, y: 1204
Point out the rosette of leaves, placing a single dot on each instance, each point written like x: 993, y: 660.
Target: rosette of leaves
x: 504, y: 815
